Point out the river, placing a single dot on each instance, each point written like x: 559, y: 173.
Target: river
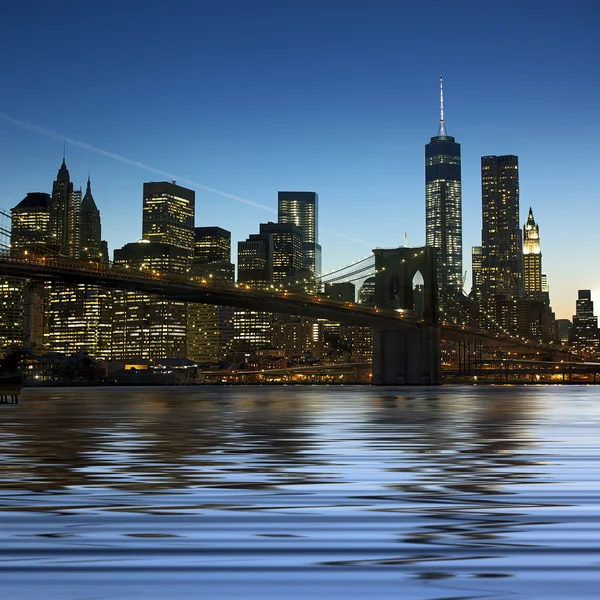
x: 301, y: 492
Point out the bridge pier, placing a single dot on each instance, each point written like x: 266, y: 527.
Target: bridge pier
x: 407, y: 357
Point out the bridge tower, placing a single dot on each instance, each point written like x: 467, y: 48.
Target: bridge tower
x: 407, y: 356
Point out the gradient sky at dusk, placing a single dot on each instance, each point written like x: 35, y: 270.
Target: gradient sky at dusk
x: 337, y: 96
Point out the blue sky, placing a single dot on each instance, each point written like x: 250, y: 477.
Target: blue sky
x: 338, y: 97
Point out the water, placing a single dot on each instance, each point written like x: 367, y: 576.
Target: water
x: 301, y: 492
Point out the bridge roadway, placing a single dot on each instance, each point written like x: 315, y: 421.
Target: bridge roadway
x: 205, y: 291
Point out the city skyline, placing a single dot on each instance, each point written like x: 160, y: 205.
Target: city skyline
x: 249, y: 126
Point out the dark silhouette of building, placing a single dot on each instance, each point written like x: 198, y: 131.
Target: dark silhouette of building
x: 443, y: 206
x: 90, y: 247
x: 64, y: 214
x: 584, y: 336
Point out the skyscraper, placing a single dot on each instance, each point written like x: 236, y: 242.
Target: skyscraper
x: 90, y: 238
x: 210, y: 327
x: 64, y: 214
x: 585, y: 336
x: 30, y: 229
x: 532, y: 259
x: 443, y: 206
x: 302, y: 209
x: 145, y: 325
x: 168, y: 214
x: 501, y: 241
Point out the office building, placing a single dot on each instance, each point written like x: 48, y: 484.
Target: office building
x: 501, y: 239
x: 210, y: 327
x: 584, y: 336
x: 90, y: 239
x: 146, y: 326
x: 168, y: 215
x: 443, y: 207
x: 302, y: 209
x: 64, y: 215
x: 532, y: 259
x: 476, y: 267
x: 30, y: 231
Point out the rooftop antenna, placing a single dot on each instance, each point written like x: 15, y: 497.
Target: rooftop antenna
x: 64, y: 149
x: 442, y: 131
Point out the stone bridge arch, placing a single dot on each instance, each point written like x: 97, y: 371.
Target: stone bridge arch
x: 395, y: 269
x: 406, y: 356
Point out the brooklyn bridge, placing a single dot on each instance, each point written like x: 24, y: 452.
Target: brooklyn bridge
x: 407, y: 343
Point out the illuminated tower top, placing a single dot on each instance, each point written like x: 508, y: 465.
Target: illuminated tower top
x: 531, y: 235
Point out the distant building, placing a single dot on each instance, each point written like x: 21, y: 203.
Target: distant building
x: 563, y: 330
x: 476, y: 267
x: 65, y: 215
x: 146, y: 326
x: 532, y: 259
x: 209, y: 327
x: 585, y: 336
x: 501, y: 240
x: 90, y: 237
x: 302, y: 209
x: 168, y: 214
x: 443, y: 206
x: 30, y: 231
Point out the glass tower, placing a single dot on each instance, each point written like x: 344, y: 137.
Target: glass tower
x: 443, y: 206
x: 302, y: 209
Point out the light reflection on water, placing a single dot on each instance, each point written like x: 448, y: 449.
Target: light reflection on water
x: 272, y: 492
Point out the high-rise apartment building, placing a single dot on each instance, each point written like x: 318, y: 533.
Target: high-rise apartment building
x: 501, y: 240
x: 443, y: 206
x: 302, y: 210
x: 168, y: 214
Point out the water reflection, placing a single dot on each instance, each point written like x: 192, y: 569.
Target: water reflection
x: 435, y: 485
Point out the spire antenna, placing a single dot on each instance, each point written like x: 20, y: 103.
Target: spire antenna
x: 442, y: 131
x: 64, y: 149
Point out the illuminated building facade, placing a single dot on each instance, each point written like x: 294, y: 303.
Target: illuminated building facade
x: 209, y: 327
x: 30, y: 229
x: 78, y: 319
x: 532, y: 260
x: 302, y: 210
x: 168, y: 214
x: 501, y: 240
x: 146, y: 326
x: 443, y: 207
x: 252, y: 329
x: 22, y: 310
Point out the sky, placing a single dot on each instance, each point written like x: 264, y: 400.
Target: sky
x: 239, y: 99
